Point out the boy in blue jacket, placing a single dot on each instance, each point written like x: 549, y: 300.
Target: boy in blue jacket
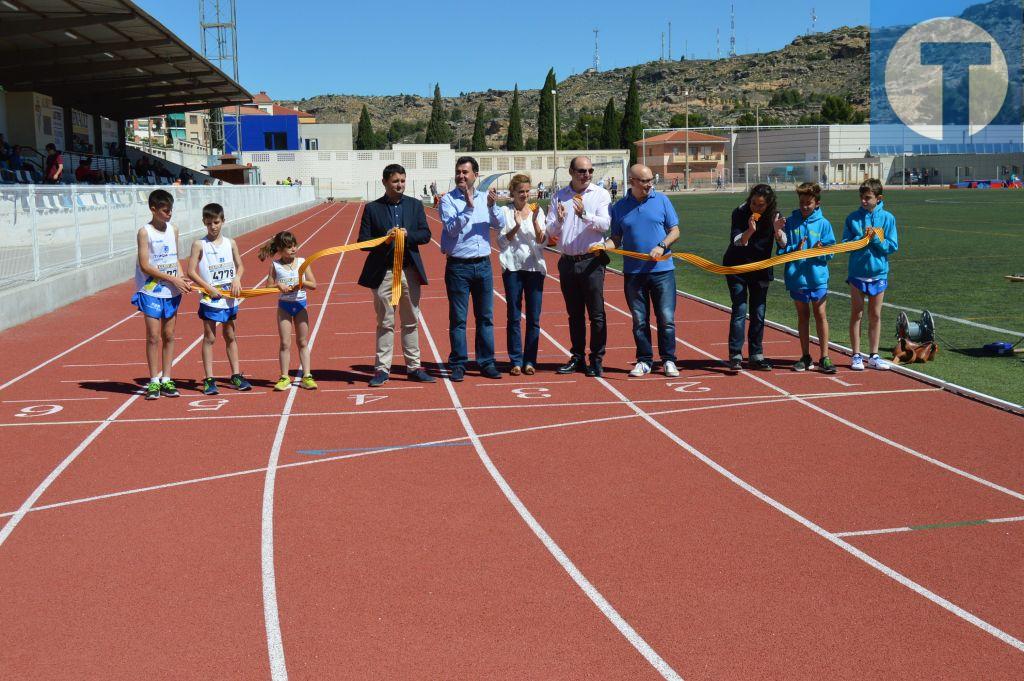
x: 807, y: 279
x: 869, y: 270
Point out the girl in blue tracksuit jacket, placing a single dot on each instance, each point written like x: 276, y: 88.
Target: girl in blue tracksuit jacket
x: 807, y: 279
x: 869, y: 270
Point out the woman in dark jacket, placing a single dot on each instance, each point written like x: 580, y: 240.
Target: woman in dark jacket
x: 756, y: 226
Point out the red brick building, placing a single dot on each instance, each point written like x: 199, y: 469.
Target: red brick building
x: 666, y: 155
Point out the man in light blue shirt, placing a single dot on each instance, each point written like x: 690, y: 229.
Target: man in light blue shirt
x: 469, y: 215
x: 644, y: 221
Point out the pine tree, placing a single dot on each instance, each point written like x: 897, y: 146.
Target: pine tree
x: 365, y: 139
x: 610, y: 126
x: 631, y: 129
x: 514, y: 141
x: 438, y: 131
x: 479, y: 142
x: 545, y: 111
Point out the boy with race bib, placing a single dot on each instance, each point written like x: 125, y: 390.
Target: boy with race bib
x: 291, y: 306
x: 158, y: 291
x: 216, y: 267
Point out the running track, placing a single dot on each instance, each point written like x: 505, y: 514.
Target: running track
x: 714, y: 526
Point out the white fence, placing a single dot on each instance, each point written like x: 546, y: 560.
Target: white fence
x: 45, y: 229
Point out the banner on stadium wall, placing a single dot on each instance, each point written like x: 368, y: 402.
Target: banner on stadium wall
x: 57, y: 114
x: 108, y: 129
x: 946, y: 73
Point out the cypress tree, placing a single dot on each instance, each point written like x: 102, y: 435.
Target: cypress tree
x: 438, y: 131
x: 631, y: 129
x: 479, y: 142
x: 545, y: 126
x: 610, y: 126
x: 514, y: 141
x: 365, y: 139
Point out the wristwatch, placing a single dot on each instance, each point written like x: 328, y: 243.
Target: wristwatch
x: 663, y: 246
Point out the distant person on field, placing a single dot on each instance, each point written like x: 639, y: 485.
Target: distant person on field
x: 521, y: 254
x: 644, y: 221
x: 614, y: 189
x: 291, y: 306
x: 215, y: 266
x: 469, y: 215
x: 756, y: 226
x: 54, y: 168
x: 869, y: 270
x: 807, y: 279
x: 395, y: 212
x: 158, y: 291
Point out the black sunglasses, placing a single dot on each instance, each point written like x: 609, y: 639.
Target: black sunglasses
x: 584, y: 171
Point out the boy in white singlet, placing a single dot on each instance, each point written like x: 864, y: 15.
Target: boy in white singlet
x: 215, y: 266
x: 158, y: 291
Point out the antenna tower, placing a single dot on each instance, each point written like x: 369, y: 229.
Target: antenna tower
x: 597, y: 53
x: 732, y: 30
x: 670, y: 41
x: 814, y: 21
x: 663, y: 46
x: 217, y: 17
x: 718, y: 43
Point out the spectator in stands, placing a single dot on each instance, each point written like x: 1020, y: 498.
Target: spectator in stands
x: 54, y: 165
x: 15, y: 161
x: 84, y: 172
x: 142, y: 167
x: 5, y: 152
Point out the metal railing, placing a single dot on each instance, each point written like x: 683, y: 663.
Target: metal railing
x: 46, y: 229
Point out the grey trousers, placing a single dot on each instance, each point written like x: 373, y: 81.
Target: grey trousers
x: 408, y: 308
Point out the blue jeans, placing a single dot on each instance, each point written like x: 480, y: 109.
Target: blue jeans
x: 462, y: 280
x: 740, y: 290
x: 642, y: 290
x: 519, y: 286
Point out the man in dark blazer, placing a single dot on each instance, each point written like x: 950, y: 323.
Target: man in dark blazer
x: 393, y: 211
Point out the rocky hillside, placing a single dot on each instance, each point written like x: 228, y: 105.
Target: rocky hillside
x: 833, y: 63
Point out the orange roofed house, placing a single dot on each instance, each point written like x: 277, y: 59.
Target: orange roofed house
x: 666, y: 155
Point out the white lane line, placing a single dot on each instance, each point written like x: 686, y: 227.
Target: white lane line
x: 112, y: 326
x: 275, y: 646
x: 56, y: 399
x: 538, y: 383
x: 351, y: 333
x: 556, y: 551
x: 809, y: 524
x: 864, y: 533
x: 365, y: 388
x: 15, y: 519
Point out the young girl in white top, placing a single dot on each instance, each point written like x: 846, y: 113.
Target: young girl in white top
x: 291, y: 307
x: 216, y: 267
x: 521, y: 255
x: 158, y: 291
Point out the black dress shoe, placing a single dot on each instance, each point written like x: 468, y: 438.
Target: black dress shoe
x: 490, y: 371
x: 594, y: 369
x: 457, y: 372
x: 379, y: 379
x: 574, y: 364
x: 418, y: 375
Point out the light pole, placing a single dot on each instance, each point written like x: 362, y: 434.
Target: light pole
x: 757, y: 132
x: 554, y: 136
x: 686, y: 105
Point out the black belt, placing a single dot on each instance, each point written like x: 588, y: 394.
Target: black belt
x: 467, y: 261
x: 579, y: 258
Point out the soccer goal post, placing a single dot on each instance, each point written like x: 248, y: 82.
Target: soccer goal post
x: 787, y: 174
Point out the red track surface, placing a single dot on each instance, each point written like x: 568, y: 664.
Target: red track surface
x: 162, y: 549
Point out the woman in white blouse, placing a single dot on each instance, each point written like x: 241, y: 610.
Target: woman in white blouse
x: 521, y: 253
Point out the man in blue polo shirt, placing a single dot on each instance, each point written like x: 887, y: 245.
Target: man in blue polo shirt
x: 469, y: 215
x: 644, y: 221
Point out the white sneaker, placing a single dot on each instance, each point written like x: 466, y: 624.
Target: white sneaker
x: 857, y: 363
x: 641, y: 369
x: 876, y: 362
x: 670, y: 368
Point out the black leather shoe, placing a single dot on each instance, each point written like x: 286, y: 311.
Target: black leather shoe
x: 490, y: 371
x: 573, y: 365
x: 761, y: 364
x: 418, y: 375
x: 457, y: 373
x: 379, y: 379
x: 594, y: 369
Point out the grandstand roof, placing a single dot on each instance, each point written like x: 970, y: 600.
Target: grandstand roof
x: 106, y: 57
x: 681, y: 136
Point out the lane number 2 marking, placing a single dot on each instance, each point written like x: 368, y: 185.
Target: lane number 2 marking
x: 38, y: 410
x: 689, y: 387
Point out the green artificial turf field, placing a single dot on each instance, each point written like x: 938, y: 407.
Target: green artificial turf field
x: 955, y: 248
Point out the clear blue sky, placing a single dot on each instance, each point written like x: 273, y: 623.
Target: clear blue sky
x: 304, y: 48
